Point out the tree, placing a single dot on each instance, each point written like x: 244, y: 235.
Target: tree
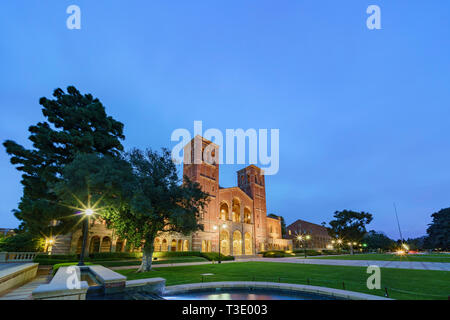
x: 75, y: 123
x: 139, y: 195
x: 416, y: 243
x: 378, y: 240
x: 349, y: 225
x: 439, y: 230
x: 282, y: 222
x: 21, y: 242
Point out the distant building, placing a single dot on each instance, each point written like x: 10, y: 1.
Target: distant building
x: 319, y: 235
x: 6, y: 232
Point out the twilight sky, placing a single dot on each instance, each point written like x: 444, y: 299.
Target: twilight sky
x: 363, y: 115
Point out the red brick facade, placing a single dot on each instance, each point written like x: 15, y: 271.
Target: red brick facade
x: 319, y: 235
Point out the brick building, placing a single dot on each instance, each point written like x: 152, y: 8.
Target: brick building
x: 236, y: 215
x: 319, y: 234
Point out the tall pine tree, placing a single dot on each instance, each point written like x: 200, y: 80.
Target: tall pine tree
x: 76, y: 123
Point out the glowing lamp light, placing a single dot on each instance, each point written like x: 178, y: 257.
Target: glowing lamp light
x: 308, y: 237
x: 89, y: 212
x: 339, y: 241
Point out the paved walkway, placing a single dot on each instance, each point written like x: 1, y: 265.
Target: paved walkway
x: 24, y: 292
x: 415, y: 265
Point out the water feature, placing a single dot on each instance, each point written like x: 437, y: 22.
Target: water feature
x: 246, y: 294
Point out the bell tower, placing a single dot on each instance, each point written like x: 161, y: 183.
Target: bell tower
x: 252, y: 181
x: 201, y: 164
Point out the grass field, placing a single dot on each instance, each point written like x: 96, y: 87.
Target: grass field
x: 401, y: 283
x: 159, y: 261
x: 390, y: 257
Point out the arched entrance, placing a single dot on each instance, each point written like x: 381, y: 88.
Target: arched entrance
x: 186, y: 245
x: 248, y: 243
x: 157, y: 244
x: 164, y: 246
x: 237, y: 243
x: 173, y: 246
x: 106, y: 245
x: 94, y: 246
x: 225, y: 243
x: 180, y: 245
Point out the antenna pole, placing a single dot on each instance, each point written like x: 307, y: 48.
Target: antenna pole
x: 398, y: 223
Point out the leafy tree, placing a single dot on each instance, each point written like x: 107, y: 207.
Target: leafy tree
x: 139, y: 196
x: 416, y: 243
x: 378, y: 240
x: 75, y: 123
x: 283, y: 223
x: 349, y: 225
x: 22, y: 242
x: 439, y: 230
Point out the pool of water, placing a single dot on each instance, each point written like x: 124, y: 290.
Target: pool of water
x: 90, y: 278
x: 246, y: 294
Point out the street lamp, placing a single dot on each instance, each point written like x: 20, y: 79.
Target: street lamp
x: 304, y: 240
x: 215, y: 228
x: 87, y: 212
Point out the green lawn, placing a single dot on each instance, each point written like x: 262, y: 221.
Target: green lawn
x: 401, y: 283
x: 159, y: 261
x: 390, y: 257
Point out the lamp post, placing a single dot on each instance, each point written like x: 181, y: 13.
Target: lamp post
x: 304, y: 239
x: 88, y: 212
x: 215, y: 228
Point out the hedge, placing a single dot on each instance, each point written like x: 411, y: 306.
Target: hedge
x: 45, y: 259
x: 276, y: 254
x: 65, y: 264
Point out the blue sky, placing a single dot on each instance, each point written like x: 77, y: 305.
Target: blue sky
x: 363, y: 115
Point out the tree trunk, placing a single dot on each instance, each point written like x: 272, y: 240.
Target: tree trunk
x: 147, y: 255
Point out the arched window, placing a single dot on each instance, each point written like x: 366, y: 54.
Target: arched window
x: 236, y: 211
x: 223, y: 214
x: 247, y: 215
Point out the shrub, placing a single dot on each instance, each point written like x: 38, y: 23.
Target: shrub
x: 165, y: 254
x: 214, y: 256
x: 309, y: 252
x: 115, y: 255
x: 276, y: 254
x: 61, y: 257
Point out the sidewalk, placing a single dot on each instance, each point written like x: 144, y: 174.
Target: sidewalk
x: 415, y: 265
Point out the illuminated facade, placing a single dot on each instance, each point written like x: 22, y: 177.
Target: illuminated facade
x: 237, y: 215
